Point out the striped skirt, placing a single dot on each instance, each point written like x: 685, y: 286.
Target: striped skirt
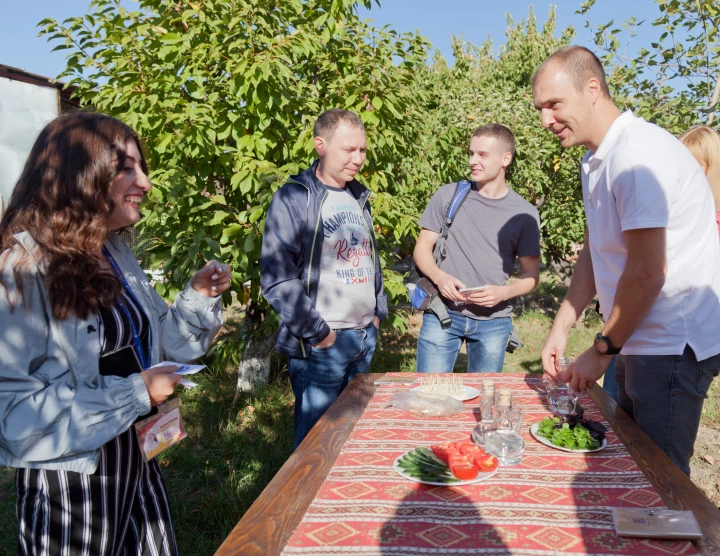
x: 120, y: 509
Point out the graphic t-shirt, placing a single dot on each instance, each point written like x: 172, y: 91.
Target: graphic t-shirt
x: 485, y: 238
x: 346, y: 292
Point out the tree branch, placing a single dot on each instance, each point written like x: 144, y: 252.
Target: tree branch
x: 714, y: 101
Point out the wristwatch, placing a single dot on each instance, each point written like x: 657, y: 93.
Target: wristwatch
x: 604, y: 346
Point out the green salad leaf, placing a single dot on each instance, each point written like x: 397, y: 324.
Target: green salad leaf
x: 561, y: 434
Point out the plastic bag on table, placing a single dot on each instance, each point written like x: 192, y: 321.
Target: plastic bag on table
x: 425, y: 405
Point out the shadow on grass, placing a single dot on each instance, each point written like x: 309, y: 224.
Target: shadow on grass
x: 231, y: 453
x: 395, y: 352
x: 533, y: 366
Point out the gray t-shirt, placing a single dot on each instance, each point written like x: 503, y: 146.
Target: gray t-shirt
x: 346, y: 292
x: 485, y: 237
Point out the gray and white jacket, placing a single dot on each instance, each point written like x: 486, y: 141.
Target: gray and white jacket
x: 56, y: 410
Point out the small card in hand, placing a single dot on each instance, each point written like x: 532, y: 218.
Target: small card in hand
x: 656, y: 523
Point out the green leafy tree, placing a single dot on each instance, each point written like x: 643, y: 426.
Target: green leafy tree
x: 225, y: 93
x: 675, y: 80
x: 482, y: 88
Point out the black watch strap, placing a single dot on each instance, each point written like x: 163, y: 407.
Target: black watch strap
x: 611, y: 349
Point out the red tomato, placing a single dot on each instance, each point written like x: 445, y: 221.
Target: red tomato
x: 464, y: 472
x: 458, y: 459
x: 486, y: 463
x: 443, y: 451
x: 471, y: 450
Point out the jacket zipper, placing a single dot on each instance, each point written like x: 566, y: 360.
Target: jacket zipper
x: 312, y: 249
x: 372, y: 232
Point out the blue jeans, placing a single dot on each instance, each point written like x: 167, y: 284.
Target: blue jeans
x: 318, y: 380
x: 486, y: 340
x: 664, y: 395
x: 609, y: 384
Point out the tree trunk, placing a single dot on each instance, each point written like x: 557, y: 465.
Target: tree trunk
x: 563, y: 264
x: 254, y: 368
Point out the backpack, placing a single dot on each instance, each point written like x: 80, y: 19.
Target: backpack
x: 422, y: 293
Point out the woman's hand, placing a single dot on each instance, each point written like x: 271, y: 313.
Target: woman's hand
x: 160, y: 382
x: 212, y: 279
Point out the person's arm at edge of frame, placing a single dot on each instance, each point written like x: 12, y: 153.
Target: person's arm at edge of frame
x: 579, y: 294
x: 280, y: 274
x: 640, y: 284
x: 423, y: 255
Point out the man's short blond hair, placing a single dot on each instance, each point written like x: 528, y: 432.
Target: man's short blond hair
x: 330, y: 120
x: 501, y: 133
x: 579, y: 64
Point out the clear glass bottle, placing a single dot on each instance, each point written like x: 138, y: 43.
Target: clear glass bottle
x: 507, y: 443
x: 561, y: 397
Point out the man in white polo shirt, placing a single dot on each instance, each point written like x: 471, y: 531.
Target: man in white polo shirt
x: 651, y: 254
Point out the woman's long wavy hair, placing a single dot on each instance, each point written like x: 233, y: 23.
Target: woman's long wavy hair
x: 62, y: 200
x: 704, y: 143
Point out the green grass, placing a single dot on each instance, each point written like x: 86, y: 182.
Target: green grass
x: 8, y: 520
x: 711, y: 409
x: 234, y: 449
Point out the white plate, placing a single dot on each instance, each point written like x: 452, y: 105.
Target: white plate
x: 468, y: 394
x: 543, y: 440
x: 483, y: 475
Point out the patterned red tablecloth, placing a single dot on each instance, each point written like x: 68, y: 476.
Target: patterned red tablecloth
x: 553, y: 502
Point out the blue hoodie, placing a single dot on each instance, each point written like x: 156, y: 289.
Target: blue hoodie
x: 290, y: 261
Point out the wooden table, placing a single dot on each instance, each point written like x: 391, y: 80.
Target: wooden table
x: 266, y: 527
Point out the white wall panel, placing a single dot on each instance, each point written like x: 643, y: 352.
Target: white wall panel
x: 24, y: 111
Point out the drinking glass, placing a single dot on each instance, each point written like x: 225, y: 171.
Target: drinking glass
x: 506, y: 443
x: 546, y: 384
x: 489, y: 412
x: 483, y: 429
x: 561, y: 397
x: 511, y: 418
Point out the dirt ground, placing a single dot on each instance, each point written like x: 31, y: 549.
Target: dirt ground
x: 705, y: 465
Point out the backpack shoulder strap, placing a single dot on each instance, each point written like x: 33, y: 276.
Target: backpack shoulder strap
x: 462, y: 190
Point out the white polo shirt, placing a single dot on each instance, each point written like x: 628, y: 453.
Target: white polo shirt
x: 643, y: 177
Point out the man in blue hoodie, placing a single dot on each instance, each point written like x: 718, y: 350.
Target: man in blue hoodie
x: 320, y: 270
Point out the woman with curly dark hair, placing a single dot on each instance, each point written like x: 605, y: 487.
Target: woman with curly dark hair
x: 71, y: 292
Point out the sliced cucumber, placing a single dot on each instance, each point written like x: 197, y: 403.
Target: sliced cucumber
x: 422, y: 464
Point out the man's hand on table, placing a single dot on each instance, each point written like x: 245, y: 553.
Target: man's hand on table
x: 585, y: 370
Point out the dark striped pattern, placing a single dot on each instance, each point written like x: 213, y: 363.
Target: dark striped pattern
x: 115, y: 331
x: 121, y: 509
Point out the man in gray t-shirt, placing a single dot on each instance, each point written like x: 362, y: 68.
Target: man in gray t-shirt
x: 493, y: 226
